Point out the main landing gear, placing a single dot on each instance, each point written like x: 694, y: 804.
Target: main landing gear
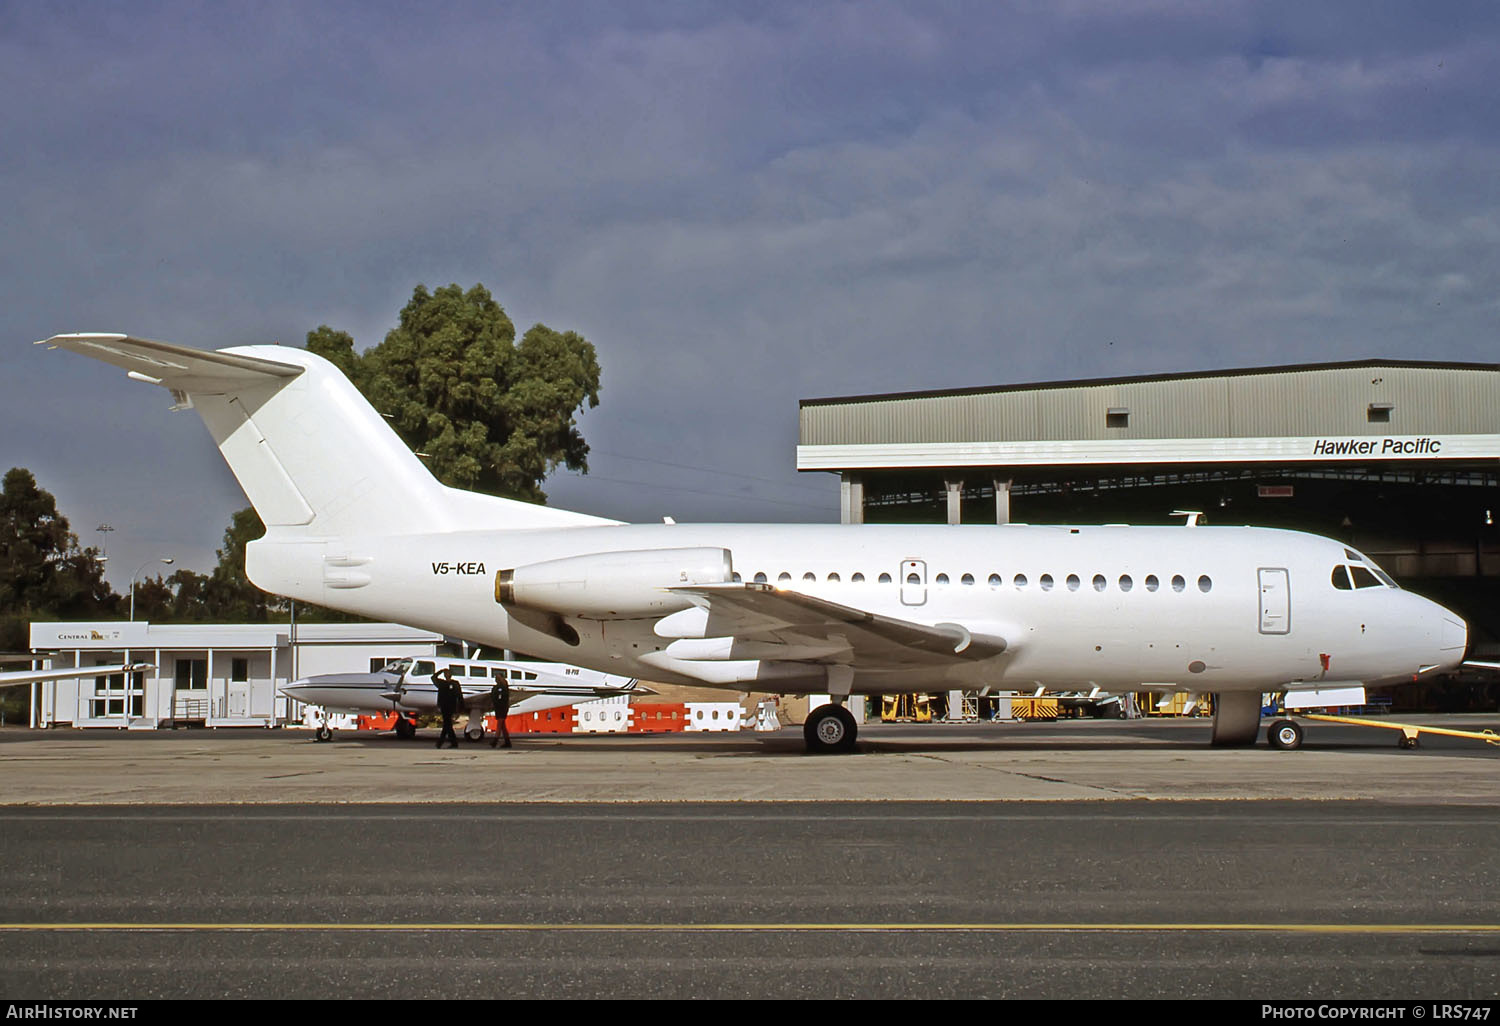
x: 830, y: 729
x: 406, y: 728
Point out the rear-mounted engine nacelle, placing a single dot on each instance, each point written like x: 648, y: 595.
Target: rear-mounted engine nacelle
x: 613, y: 585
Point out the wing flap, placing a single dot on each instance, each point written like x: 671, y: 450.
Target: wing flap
x: 765, y: 615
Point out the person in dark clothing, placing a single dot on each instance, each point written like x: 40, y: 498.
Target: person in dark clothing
x: 500, y: 696
x: 448, y: 695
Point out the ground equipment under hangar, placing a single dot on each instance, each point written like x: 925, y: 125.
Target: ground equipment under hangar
x: 1400, y: 459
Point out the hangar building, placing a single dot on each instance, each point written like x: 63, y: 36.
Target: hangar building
x: 1397, y: 458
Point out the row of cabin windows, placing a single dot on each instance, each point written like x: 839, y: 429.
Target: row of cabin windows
x: 426, y: 668
x: 1046, y: 582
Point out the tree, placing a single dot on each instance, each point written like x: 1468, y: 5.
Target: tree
x: 43, y: 572
x: 228, y: 595
x: 487, y: 414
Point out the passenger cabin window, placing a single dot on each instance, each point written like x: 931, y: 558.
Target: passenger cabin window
x: 1178, y: 584
x: 941, y: 578
x: 760, y: 578
x: 1073, y: 582
x: 857, y: 579
x: 995, y: 581
x: 783, y: 576
x: 885, y: 578
x: 967, y: 579
x: 833, y: 578
x: 1152, y: 583
x: 1126, y: 583
x: 424, y: 668
x: 1046, y: 582
x: 1020, y: 580
x: 1099, y: 582
x: 736, y: 577
x: 1205, y: 584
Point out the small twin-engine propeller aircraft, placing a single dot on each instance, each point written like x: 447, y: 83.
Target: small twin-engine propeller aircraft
x: 405, y: 687
x: 354, y: 521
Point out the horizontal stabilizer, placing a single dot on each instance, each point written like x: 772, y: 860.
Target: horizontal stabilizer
x: 70, y: 673
x: 179, y: 367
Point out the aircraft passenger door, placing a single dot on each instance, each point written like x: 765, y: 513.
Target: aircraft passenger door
x: 913, y: 582
x: 1275, y: 601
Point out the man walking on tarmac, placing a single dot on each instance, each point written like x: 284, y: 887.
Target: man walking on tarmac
x: 448, y: 695
x: 500, y: 696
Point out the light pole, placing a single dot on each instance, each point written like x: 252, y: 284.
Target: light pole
x: 163, y: 559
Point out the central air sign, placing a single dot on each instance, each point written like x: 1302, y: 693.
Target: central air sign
x: 1378, y: 447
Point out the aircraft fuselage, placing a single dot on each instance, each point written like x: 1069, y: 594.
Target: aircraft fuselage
x: 1156, y: 608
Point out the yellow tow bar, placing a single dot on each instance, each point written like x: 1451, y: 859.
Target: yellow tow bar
x: 1409, y: 731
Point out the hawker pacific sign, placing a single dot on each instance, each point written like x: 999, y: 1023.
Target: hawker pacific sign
x: 1137, y: 450
x: 1379, y: 447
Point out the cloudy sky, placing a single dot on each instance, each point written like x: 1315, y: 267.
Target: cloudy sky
x: 740, y: 205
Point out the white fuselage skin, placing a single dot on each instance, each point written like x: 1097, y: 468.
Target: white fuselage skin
x: 1088, y: 631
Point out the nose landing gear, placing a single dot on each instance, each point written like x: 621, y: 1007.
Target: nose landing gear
x: 1284, y: 734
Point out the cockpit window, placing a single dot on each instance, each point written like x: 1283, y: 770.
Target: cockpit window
x: 1341, y: 577
x: 397, y: 666
x: 1355, y: 556
x: 1363, y: 578
x: 1385, y: 578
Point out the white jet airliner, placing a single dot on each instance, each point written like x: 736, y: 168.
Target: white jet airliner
x: 405, y: 687
x: 356, y: 522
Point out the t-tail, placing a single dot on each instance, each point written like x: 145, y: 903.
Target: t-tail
x: 312, y: 455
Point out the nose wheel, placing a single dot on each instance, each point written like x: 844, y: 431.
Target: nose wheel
x: 1285, y: 735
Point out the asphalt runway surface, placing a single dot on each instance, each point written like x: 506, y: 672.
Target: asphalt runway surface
x: 1092, y: 859
x: 1264, y: 900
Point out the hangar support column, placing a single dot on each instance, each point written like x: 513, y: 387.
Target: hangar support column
x: 955, y: 490
x: 851, y: 499
x: 1002, y: 501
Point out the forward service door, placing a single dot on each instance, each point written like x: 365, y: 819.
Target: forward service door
x: 913, y: 582
x: 1275, y: 601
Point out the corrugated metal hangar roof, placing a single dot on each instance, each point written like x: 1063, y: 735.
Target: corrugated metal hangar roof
x: 1254, y: 413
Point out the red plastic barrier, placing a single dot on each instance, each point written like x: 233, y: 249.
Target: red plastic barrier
x: 658, y: 718
x: 377, y: 721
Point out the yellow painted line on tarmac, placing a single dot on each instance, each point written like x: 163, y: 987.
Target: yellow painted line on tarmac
x: 1321, y: 928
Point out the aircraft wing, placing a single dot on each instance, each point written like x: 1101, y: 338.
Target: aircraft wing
x: 556, y: 687
x: 70, y: 672
x: 810, y: 629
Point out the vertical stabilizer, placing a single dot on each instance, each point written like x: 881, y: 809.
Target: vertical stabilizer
x: 311, y: 454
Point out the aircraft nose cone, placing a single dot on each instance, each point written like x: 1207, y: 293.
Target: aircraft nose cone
x: 295, y: 688
x: 1454, y: 636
